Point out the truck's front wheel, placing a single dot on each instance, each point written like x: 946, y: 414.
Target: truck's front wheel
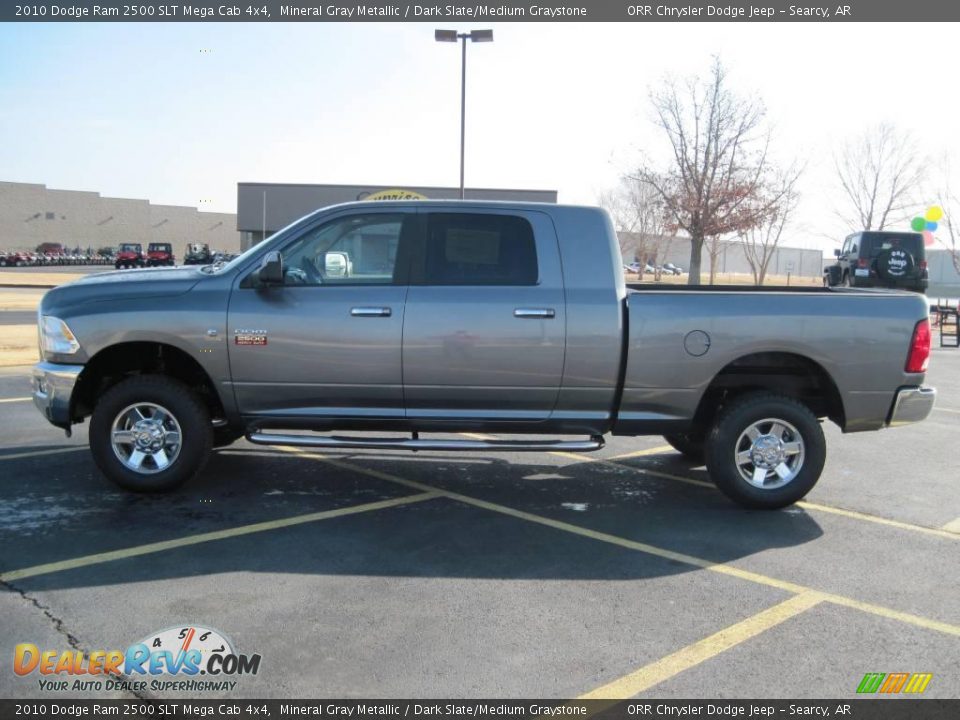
x: 766, y: 451
x: 689, y: 444
x: 150, y: 433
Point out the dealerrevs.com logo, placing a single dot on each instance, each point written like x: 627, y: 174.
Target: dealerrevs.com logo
x: 171, y: 659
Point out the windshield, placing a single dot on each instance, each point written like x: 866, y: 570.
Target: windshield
x: 258, y: 248
x: 158, y: 247
x: 129, y: 248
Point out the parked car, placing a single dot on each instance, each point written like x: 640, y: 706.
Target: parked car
x: 305, y: 332
x: 129, y: 255
x: 672, y: 269
x: 160, y: 254
x: 16, y: 258
x: 880, y: 259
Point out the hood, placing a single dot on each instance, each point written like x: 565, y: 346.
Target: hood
x: 121, y: 284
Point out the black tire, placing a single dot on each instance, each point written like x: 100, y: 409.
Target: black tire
x: 846, y: 282
x: 690, y: 445
x: 196, y: 433
x: 224, y: 436
x: 800, y: 429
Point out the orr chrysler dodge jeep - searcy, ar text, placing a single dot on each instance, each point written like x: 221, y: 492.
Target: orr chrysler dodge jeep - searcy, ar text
x: 413, y: 317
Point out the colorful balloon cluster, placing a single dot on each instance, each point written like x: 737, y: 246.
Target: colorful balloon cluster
x: 927, y: 223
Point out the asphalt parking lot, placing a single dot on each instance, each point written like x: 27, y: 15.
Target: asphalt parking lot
x: 380, y: 574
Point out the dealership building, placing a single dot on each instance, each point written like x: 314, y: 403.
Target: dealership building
x: 31, y: 214
x: 264, y: 208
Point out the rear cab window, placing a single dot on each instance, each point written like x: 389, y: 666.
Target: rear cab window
x: 873, y: 246
x: 478, y: 249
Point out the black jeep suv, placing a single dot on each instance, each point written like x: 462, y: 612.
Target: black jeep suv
x: 880, y: 259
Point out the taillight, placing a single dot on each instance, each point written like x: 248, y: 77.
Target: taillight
x: 919, y: 348
x: 861, y: 262
x: 922, y: 264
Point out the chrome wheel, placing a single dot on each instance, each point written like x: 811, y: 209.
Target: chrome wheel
x: 769, y: 453
x: 146, y: 438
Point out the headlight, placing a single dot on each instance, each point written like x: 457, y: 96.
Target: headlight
x: 56, y: 337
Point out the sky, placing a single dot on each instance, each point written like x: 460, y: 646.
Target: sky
x: 179, y: 113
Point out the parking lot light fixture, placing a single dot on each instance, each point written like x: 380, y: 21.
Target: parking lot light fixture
x: 453, y: 36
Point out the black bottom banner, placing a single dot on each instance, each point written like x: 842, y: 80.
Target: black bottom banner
x: 876, y: 709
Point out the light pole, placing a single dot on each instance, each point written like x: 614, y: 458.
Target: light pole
x: 453, y: 36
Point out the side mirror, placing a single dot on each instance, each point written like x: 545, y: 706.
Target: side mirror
x: 271, y: 269
x: 836, y: 253
x: 336, y: 264
x: 833, y: 275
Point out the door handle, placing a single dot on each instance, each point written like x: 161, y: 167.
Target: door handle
x: 534, y: 313
x: 371, y: 312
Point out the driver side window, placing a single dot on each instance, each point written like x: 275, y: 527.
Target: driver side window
x: 354, y: 250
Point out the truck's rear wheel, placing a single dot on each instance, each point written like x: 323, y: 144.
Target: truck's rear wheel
x: 690, y: 445
x: 765, y: 451
x: 150, y: 433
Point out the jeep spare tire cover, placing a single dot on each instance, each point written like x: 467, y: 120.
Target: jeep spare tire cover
x: 894, y: 264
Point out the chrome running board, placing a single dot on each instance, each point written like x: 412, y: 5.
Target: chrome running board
x: 262, y: 438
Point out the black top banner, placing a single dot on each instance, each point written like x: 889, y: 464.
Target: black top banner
x: 471, y: 11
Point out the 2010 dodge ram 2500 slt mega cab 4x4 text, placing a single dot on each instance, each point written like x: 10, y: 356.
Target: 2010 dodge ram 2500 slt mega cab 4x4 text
x: 412, y: 317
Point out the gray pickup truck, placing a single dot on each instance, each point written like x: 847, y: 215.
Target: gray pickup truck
x: 452, y: 317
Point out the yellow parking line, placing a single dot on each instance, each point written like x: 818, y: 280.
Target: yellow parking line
x: 642, y: 471
x: 156, y: 547
x: 12, y: 400
x: 943, y: 532
x: 698, y: 652
x: 659, y: 450
x: 38, y: 453
x: 891, y: 614
x: 948, y: 532
x: 692, y: 560
x: 952, y: 527
x: 478, y: 436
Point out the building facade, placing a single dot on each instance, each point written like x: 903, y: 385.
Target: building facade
x: 264, y: 208
x: 798, y: 262
x: 31, y: 214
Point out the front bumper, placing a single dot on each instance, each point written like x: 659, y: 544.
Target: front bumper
x: 52, y: 389
x: 912, y: 404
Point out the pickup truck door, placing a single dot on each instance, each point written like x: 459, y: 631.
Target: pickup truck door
x: 485, y: 318
x: 327, y: 343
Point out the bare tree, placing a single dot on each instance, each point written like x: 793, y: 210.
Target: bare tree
x: 714, y: 248
x: 719, y: 156
x: 639, y: 216
x: 879, y: 173
x: 951, y: 223
x: 760, y: 242
x: 621, y: 204
x: 659, y: 247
